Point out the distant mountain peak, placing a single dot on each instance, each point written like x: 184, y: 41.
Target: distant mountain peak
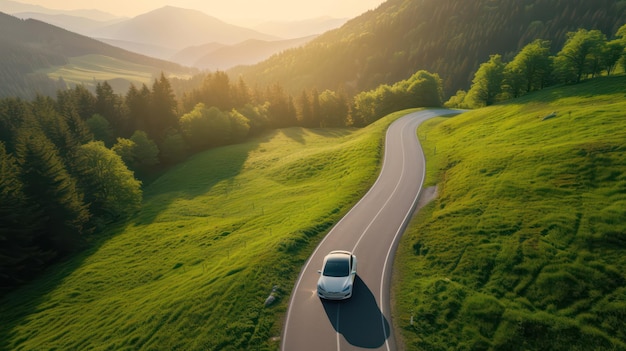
x: 14, y: 7
x: 169, y: 10
x: 177, y: 28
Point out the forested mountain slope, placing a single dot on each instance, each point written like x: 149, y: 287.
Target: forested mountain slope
x: 447, y: 37
x: 29, y: 46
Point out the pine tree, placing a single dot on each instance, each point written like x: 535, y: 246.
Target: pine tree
x: 51, y: 190
x: 13, y: 114
x: 85, y: 102
x: 20, y: 258
x: 216, y: 91
x: 240, y: 94
x: 305, y: 115
x: 138, y: 104
x: 54, y: 126
x: 77, y: 126
x: 110, y: 106
x: 163, y: 114
x: 315, y: 109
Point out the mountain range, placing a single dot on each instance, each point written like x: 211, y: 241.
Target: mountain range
x: 171, y: 33
x: 39, y: 58
x: 13, y: 7
x: 382, y: 46
x: 215, y: 56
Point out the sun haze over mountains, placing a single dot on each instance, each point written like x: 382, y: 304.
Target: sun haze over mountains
x: 185, y: 36
x: 229, y: 10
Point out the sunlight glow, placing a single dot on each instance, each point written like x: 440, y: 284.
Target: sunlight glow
x: 284, y: 10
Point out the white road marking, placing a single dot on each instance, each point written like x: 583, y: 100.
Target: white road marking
x: 398, y: 232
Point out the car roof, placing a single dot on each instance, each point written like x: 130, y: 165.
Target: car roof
x: 339, y: 252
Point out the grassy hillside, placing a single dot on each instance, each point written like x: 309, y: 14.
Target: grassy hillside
x: 91, y: 69
x: 193, y: 269
x: 522, y: 250
x: 524, y: 247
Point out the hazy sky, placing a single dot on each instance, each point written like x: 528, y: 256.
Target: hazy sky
x: 224, y: 9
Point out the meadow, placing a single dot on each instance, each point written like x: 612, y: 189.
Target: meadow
x: 90, y: 69
x: 523, y: 248
x: 216, y: 235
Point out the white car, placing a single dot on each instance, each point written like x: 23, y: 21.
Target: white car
x: 337, y: 275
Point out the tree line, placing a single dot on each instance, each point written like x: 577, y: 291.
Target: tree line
x: 57, y: 184
x: 585, y: 54
x: 72, y: 165
x: 448, y: 37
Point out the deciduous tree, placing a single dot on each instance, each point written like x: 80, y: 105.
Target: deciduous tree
x: 580, y: 55
x: 112, y: 191
x: 613, y: 51
x: 173, y: 148
x: 487, y: 82
x: 239, y: 126
x: 124, y: 148
x: 258, y: 117
x: 530, y: 68
x: 146, y: 152
x: 101, y: 129
x: 205, y: 127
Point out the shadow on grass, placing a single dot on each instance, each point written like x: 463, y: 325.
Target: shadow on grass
x: 204, y: 170
x: 196, y: 176
x: 19, y: 305
x: 359, y: 319
x: 585, y: 89
x: 297, y: 133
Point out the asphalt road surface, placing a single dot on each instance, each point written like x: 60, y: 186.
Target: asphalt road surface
x: 371, y: 230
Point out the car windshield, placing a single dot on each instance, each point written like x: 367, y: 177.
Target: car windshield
x: 337, y: 267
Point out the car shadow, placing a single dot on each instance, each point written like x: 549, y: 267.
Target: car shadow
x: 359, y: 319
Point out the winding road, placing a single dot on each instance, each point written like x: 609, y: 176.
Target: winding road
x: 371, y: 230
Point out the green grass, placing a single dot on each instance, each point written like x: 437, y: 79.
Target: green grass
x: 523, y: 249
x: 90, y: 69
x: 193, y: 269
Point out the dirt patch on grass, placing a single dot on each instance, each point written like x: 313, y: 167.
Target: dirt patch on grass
x: 427, y: 195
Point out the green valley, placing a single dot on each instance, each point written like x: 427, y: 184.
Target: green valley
x: 90, y: 69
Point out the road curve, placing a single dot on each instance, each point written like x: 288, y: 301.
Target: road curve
x: 371, y: 229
